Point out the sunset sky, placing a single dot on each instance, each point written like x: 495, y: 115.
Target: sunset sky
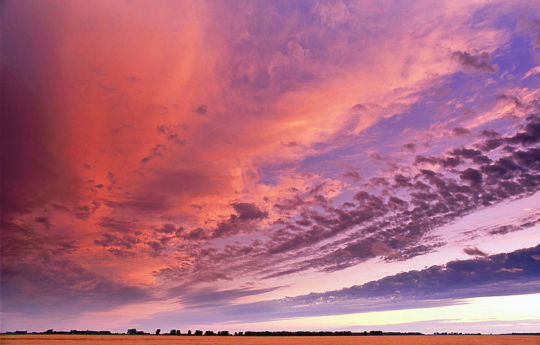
x: 270, y: 165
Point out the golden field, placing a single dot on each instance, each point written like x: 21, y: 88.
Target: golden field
x: 39, y: 339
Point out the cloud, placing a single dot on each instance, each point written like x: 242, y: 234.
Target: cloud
x: 495, y: 275
x: 119, y: 245
x: 156, y: 151
x: 171, y: 133
x: 39, y: 276
x: 43, y: 220
x: 330, y: 237
x: 456, y: 279
x: 218, y: 151
x: 471, y: 175
x: 170, y: 228
x: 430, y: 199
x: 530, y: 135
x: 410, y: 146
x: 474, y: 252
x: 533, y: 71
x: 118, y: 225
x: 478, y: 62
x: 205, y: 297
x: 248, y: 211
x: 202, y: 110
x: 460, y: 131
x: 39, y: 288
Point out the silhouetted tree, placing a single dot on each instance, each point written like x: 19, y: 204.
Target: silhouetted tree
x: 189, y: 332
x: 158, y: 331
x: 132, y: 331
x: 209, y: 333
x: 198, y: 332
x: 172, y: 332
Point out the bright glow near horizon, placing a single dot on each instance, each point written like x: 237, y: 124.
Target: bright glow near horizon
x: 503, y: 309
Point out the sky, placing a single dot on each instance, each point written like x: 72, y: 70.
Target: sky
x: 270, y: 165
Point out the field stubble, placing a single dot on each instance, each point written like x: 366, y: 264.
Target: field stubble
x: 41, y: 339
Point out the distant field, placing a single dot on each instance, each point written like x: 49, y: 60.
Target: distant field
x: 38, y: 339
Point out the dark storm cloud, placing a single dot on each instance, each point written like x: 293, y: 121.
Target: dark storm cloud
x: 478, y: 62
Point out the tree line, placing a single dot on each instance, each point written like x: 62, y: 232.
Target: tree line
x: 273, y: 333
x: 134, y: 331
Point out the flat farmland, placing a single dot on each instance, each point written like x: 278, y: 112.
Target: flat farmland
x: 42, y: 339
